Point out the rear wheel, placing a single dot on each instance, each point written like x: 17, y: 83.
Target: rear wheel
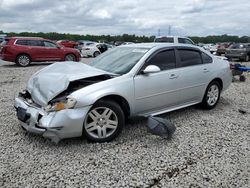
x: 70, y: 57
x: 23, y: 60
x: 247, y: 58
x: 212, y: 95
x: 96, y: 54
x: 103, y: 122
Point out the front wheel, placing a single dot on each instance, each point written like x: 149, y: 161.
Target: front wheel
x: 103, y: 122
x: 212, y: 95
x: 247, y: 58
x: 70, y: 57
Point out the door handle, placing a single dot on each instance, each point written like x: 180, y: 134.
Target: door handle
x: 173, y: 76
x: 205, y: 70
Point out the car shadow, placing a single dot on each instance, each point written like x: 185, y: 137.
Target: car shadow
x: 31, y: 65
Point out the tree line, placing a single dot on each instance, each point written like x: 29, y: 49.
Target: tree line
x: 126, y: 37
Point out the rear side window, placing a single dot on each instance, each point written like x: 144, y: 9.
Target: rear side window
x: 164, y: 60
x: 165, y: 39
x: 206, y: 58
x: 189, y: 58
x: 184, y: 41
x: 34, y: 43
x: 21, y: 42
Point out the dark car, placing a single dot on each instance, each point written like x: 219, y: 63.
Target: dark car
x: 24, y: 50
x: 238, y: 50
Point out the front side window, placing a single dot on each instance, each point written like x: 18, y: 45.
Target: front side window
x: 189, y: 58
x: 164, y: 60
x: 49, y: 44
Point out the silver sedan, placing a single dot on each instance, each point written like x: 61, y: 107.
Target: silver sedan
x: 70, y: 99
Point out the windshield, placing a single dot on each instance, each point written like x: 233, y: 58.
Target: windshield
x: 119, y: 60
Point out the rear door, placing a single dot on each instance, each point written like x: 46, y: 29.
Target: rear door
x: 36, y: 50
x: 193, y: 69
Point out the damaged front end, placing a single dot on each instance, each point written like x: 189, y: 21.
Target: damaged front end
x: 46, y: 107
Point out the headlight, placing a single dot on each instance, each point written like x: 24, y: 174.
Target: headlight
x: 61, y: 105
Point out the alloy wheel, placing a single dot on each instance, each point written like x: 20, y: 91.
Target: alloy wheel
x: 23, y: 60
x: 101, y: 122
x: 213, y: 95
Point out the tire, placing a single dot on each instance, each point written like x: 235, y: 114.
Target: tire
x: 70, y: 57
x: 242, y: 78
x: 246, y: 58
x: 96, y: 53
x: 23, y: 60
x: 211, y: 96
x: 96, y: 126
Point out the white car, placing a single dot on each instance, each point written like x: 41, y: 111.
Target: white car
x: 174, y: 39
x: 94, y: 50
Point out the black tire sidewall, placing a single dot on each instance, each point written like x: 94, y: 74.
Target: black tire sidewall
x: 121, y: 120
x: 204, y: 101
x: 98, y: 53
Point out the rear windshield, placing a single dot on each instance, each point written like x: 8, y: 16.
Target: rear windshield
x: 237, y: 46
x: 165, y: 39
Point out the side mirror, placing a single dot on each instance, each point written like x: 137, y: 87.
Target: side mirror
x: 151, y: 69
x: 59, y: 47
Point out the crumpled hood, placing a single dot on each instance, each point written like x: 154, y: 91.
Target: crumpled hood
x: 54, y: 79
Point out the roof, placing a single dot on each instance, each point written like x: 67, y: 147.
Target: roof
x: 155, y: 44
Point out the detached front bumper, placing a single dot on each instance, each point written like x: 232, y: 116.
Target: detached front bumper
x: 58, y: 125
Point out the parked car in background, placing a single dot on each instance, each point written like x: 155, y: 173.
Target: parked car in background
x: 126, y: 43
x: 68, y: 43
x: 212, y: 48
x: 130, y: 80
x: 94, y: 50
x: 238, y: 50
x: 221, y: 48
x: 24, y: 50
x: 173, y: 39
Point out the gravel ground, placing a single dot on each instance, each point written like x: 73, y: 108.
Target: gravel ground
x: 208, y: 149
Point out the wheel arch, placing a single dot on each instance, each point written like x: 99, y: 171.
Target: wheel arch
x: 121, y: 101
x: 219, y: 80
x: 22, y: 53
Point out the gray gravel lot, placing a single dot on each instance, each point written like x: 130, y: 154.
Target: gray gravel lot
x: 208, y: 149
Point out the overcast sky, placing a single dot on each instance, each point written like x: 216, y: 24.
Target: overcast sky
x: 140, y: 17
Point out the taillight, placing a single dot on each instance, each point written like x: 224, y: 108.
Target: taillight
x: 232, y: 66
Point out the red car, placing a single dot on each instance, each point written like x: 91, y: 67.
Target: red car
x: 24, y: 50
x: 67, y: 43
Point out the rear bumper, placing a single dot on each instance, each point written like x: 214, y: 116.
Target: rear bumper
x: 66, y: 123
x: 6, y: 57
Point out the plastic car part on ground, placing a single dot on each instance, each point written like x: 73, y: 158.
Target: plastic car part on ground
x: 238, y: 70
x: 160, y: 127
